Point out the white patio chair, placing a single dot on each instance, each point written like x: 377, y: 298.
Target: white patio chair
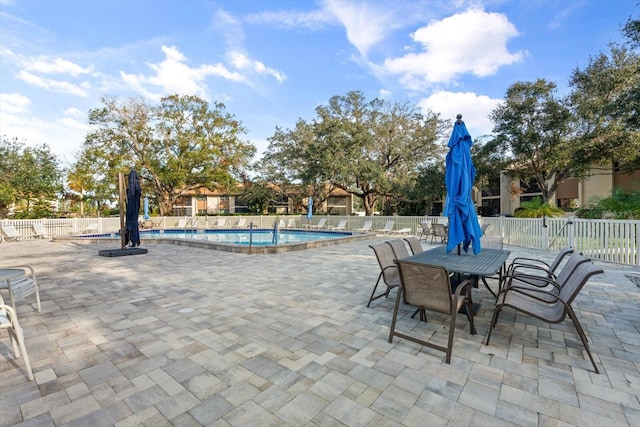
x: 39, y: 231
x: 9, y: 321
x: 321, y: 224
x: 22, y: 287
x: 10, y: 232
x: 387, y: 227
x: 366, y: 226
x: 342, y: 225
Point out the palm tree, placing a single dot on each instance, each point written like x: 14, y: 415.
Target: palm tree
x: 536, y: 209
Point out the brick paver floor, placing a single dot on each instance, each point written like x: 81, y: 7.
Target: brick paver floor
x: 187, y: 337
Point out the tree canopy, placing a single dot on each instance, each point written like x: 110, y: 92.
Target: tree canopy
x: 30, y: 179
x: 370, y: 149
x: 182, y: 144
x: 534, y: 126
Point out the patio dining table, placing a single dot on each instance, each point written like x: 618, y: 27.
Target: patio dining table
x: 486, y: 263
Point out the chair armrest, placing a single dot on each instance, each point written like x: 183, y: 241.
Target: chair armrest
x: 531, y: 280
x: 532, y: 293
x: 527, y: 261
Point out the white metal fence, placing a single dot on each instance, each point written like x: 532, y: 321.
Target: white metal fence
x: 615, y: 241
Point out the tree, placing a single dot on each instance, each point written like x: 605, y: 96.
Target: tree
x: 30, y: 178
x: 181, y: 145
x: 606, y: 100
x: 631, y: 31
x: 293, y: 162
x: 372, y: 148
x: 425, y: 188
x: 535, y: 128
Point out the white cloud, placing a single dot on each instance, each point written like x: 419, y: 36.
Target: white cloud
x: 470, y: 42
x: 366, y: 23
x: 174, y: 75
x: 243, y: 63
x: 53, y: 85
x: 313, y: 20
x: 64, y: 135
x: 55, y: 66
x: 475, y: 109
x: 12, y: 103
x: 384, y: 93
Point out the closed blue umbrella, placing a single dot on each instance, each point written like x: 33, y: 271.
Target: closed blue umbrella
x: 274, y: 239
x: 460, y: 174
x: 310, y: 208
x: 146, y: 208
x: 133, y: 209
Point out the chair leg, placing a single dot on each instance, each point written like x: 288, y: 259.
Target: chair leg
x: 395, y: 315
x: 582, y: 336
x: 492, y: 325
x: 452, y: 327
x: 23, y: 352
x: 371, y: 298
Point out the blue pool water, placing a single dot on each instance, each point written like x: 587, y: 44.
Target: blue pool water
x: 258, y: 237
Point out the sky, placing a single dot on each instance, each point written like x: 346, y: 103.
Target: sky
x: 273, y: 62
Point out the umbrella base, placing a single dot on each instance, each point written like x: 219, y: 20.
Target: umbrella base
x: 122, y: 252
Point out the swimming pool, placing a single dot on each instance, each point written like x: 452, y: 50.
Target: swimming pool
x: 234, y: 240
x: 258, y: 237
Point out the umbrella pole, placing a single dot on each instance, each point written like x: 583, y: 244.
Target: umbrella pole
x: 121, y: 202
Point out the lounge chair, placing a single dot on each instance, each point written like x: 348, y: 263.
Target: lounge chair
x: 242, y: 223
x: 282, y: 223
x: 39, y: 231
x: 484, y: 228
x: 387, y: 227
x: 429, y: 288
x: 221, y: 223
x: 91, y: 228
x: 22, y: 287
x: 342, y: 225
x: 366, y: 226
x: 10, y: 232
x: 9, y: 321
x: 388, y: 270
x: 548, y: 305
x: 291, y: 223
x: 146, y: 224
x: 321, y: 224
x: 439, y: 232
x: 182, y: 223
x: 414, y: 244
x: 400, y: 231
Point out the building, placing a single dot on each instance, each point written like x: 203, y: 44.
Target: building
x: 571, y: 194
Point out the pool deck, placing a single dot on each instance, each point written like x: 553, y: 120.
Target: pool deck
x: 187, y: 337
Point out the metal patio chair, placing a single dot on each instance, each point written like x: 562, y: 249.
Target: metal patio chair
x: 550, y: 305
x: 388, y: 270
x: 439, y: 233
x: 429, y: 288
x: 414, y: 244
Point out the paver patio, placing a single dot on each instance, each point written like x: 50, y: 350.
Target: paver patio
x: 185, y: 336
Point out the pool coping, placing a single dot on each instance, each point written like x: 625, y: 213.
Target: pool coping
x: 218, y: 246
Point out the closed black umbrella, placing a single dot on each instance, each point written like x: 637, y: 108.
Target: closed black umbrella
x: 133, y: 209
